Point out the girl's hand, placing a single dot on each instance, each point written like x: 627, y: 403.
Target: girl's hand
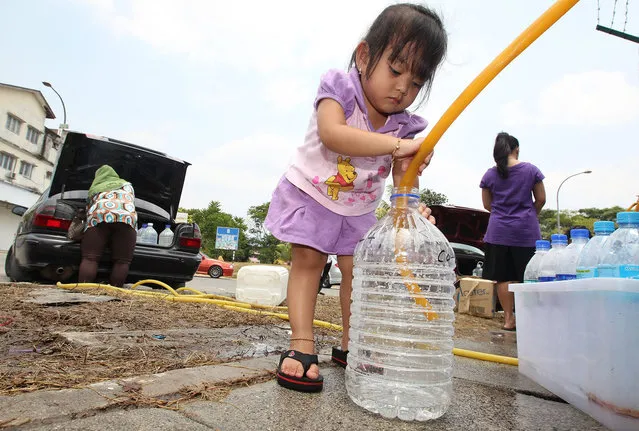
x: 426, y: 212
x: 403, y: 163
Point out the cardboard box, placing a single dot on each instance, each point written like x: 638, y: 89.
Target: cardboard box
x: 477, y: 297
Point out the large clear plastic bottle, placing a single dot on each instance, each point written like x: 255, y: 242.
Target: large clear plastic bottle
x: 567, y: 264
x: 166, y: 236
x: 548, y: 265
x: 150, y: 236
x: 400, y: 351
x: 589, y: 256
x: 620, y: 253
x: 531, y: 275
x: 140, y: 233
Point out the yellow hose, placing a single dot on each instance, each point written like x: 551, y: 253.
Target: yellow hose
x: 229, y: 303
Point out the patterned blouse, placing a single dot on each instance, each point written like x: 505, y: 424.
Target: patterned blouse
x: 114, y: 206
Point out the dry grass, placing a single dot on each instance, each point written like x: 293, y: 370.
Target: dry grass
x: 34, y: 357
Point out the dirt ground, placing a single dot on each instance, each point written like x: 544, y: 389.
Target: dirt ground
x: 132, y: 336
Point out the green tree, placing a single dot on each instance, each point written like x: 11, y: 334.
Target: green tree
x: 431, y: 197
x: 212, y: 217
x: 261, y: 239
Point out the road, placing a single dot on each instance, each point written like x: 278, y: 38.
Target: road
x: 220, y: 286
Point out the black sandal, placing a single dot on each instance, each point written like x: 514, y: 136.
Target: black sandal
x: 339, y: 356
x: 301, y: 384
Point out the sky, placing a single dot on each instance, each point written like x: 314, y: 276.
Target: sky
x: 229, y: 87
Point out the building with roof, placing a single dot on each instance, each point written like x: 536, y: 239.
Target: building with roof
x: 28, y: 152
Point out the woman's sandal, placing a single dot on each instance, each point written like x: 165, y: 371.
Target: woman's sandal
x: 339, y: 356
x: 301, y: 384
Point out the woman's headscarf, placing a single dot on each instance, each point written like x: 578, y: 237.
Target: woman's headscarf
x: 106, y: 179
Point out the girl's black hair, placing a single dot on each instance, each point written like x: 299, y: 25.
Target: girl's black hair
x: 407, y: 25
x: 504, y: 145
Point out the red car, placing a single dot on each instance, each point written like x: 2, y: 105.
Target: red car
x: 215, y: 268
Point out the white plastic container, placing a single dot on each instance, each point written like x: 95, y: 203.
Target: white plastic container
x: 262, y: 284
x: 579, y: 339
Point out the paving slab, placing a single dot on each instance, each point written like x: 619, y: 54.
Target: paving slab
x: 140, y: 420
x: 475, y: 406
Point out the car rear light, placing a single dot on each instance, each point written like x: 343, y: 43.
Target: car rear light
x: 51, y: 222
x: 190, y: 242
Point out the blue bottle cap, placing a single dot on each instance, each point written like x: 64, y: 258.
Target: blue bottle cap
x: 628, y: 217
x: 603, y: 226
x: 579, y: 233
x: 558, y: 238
x: 542, y: 244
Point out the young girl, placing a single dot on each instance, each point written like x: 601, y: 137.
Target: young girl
x: 359, y: 132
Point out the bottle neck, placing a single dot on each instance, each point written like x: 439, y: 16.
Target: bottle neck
x: 628, y: 225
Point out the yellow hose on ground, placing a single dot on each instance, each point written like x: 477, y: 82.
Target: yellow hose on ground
x: 229, y: 303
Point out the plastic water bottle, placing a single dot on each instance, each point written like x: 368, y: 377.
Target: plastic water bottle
x: 141, y: 232
x: 400, y: 350
x: 166, y: 236
x: 567, y: 263
x: 589, y: 256
x: 479, y: 270
x: 531, y: 275
x: 548, y: 265
x: 620, y: 253
x: 150, y: 236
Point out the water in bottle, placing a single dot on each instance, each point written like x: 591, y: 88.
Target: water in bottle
x: 531, y: 275
x: 567, y: 263
x: 400, y: 350
x: 141, y: 232
x: 150, y: 236
x: 620, y: 253
x: 589, y: 256
x: 548, y: 265
x: 479, y: 270
x: 166, y: 236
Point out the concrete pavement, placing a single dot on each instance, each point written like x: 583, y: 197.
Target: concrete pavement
x: 486, y: 396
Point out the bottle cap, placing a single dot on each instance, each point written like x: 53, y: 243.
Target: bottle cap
x: 579, y: 233
x: 603, y: 226
x: 628, y: 217
x: 168, y: 226
x: 558, y: 238
x: 542, y: 244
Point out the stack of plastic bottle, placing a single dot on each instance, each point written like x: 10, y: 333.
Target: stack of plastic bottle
x: 567, y: 261
x: 531, y: 275
x: 400, y: 351
x: 589, y: 256
x: 548, y: 265
x: 619, y: 256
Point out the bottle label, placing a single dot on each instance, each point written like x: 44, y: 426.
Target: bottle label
x: 586, y: 272
x: 545, y: 279
x: 606, y: 270
x: 561, y: 277
x: 628, y: 271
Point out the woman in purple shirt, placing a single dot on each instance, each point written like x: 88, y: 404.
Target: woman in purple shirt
x: 508, y: 190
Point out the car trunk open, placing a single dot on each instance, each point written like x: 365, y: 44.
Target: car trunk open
x: 158, y: 181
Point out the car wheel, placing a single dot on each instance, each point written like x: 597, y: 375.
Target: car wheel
x: 215, y: 271
x: 13, y: 271
x: 325, y: 282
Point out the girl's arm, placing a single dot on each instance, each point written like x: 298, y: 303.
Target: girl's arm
x: 487, y: 199
x: 539, y: 193
x: 350, y: 141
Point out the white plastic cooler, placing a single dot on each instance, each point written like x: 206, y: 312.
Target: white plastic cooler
x: 580, y: 340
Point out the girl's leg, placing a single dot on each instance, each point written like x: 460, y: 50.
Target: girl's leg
x: 92, y: 246
x: 123, y: 239
x: 306, y: 269
x: 507, y: 300
x: 345, y: 289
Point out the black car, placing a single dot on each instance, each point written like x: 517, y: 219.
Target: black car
x: 41, y: 250
x: 465, y: 229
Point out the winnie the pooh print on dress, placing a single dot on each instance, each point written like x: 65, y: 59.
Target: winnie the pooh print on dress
x: 344, y: 179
